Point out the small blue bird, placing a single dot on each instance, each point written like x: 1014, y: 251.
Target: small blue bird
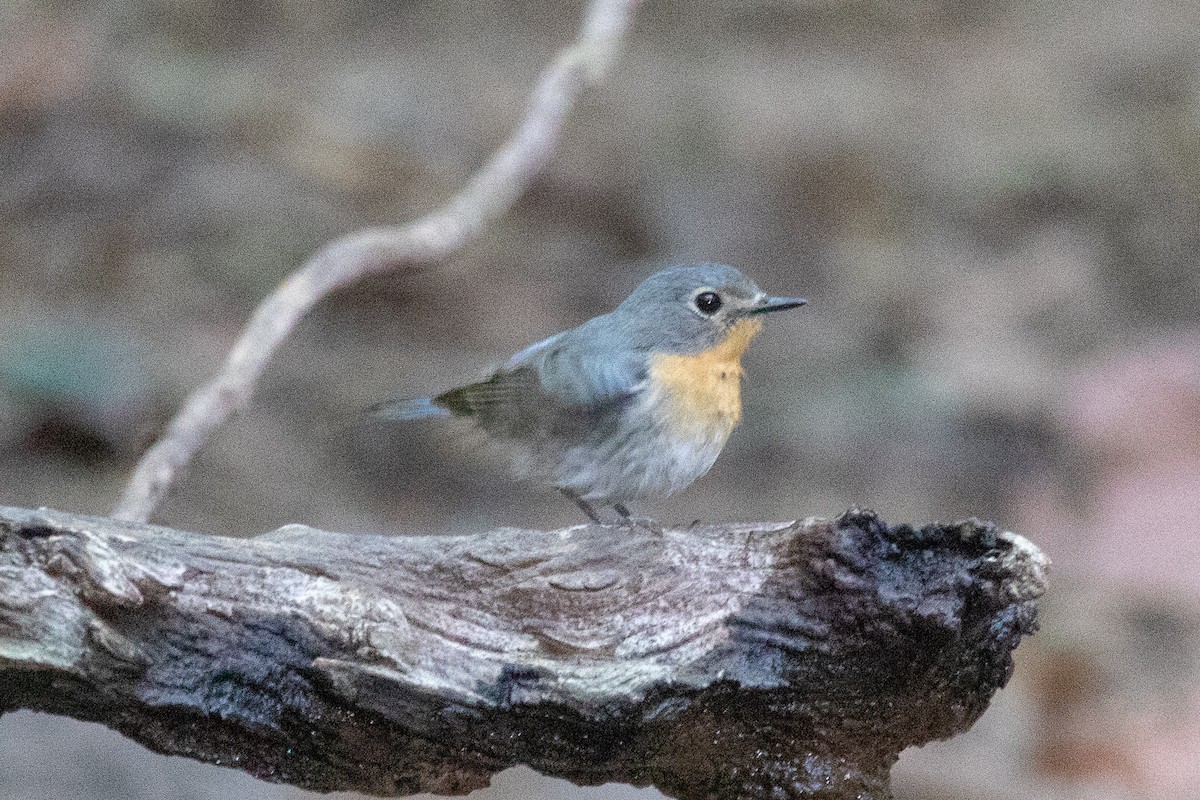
x: 636, y: 402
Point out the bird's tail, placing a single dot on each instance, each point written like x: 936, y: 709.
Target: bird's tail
x: 408, y: 410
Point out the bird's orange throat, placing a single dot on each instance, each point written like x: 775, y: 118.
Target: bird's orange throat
x: 702, y: 393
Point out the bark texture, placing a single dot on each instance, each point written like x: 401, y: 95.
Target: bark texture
x: 743, y: 661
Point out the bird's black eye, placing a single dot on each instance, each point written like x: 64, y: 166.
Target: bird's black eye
x: 708, y: 303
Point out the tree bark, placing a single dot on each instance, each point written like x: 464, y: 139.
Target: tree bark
x: 741, y: 661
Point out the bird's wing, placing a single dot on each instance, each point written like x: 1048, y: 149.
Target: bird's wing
x: 555, y: 387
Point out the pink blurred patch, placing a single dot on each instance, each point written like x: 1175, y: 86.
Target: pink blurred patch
x: 1166, y: 747
x: 1136, y: 421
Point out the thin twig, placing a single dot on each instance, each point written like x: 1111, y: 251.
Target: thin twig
x: 489, y: 193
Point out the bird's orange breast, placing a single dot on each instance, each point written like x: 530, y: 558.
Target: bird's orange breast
x: 702, y: 392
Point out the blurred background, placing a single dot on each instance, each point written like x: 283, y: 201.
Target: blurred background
x: 994, y: 208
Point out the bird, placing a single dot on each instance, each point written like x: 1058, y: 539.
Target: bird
x: 633, y: 403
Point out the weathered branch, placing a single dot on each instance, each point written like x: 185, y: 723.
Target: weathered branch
x: 489, y: 193
x: 747, y: 661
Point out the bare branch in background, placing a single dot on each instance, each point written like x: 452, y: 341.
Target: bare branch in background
x: 489, y: 193
x: 748, y: 661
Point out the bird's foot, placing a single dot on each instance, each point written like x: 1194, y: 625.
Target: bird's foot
x: 624, y: 520
x: 630, y: 521
x: 645, y: 523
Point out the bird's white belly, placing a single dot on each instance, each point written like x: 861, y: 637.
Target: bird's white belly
x: 654, y: 458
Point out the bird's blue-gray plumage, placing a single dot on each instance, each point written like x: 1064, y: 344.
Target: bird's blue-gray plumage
x: 576, y: 410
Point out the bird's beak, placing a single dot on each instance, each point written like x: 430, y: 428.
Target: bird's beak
x: 777, y: 304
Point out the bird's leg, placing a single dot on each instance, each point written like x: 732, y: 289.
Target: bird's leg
x: 584, y: 505
x: 631, y: 521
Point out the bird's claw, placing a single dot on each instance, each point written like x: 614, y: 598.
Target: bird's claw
x: 645, y: 523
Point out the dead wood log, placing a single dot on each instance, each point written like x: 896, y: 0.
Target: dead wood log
x: 743, y: 661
